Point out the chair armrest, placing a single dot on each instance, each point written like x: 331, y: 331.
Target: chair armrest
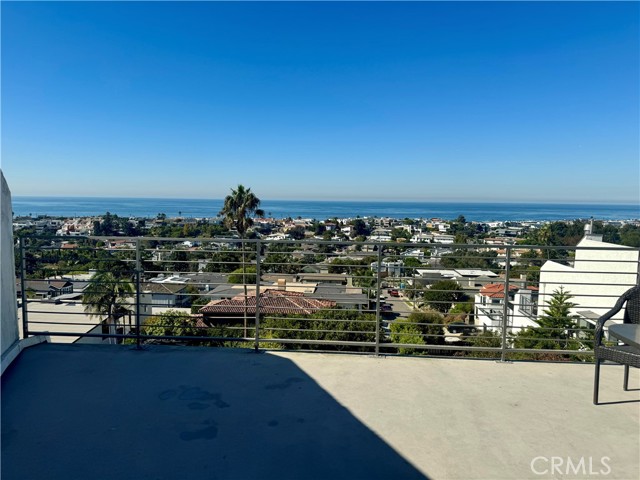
x: 607, y: 316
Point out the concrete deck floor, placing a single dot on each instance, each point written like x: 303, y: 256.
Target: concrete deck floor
x: 102, y: 411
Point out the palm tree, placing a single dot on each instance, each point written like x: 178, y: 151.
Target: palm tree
x: 238, y: 211
x: 544, y: 237
x: 105, y: 297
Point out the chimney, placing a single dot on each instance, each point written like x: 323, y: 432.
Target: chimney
x: 588, y: 232
x: 282, y: 284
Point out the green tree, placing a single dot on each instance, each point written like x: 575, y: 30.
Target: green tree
x: 558, y: 314
x: 275, y: 262
x: 180, y: 261
x: 410, y: 265
x: 224, y: 262
x: 170, y: 323
x: 105, y: 297
x: 528, y: 264
x: 419, y: 328
x: 630, y: 235
x: 318, y: 228
x: 397, y: 233
x: 243, y: 275
x: 404, y: 331
x: 460, y: 238
x: 485, y: 339
x: 465, y: 258
x: 443, y: 294
x: 555, y: 326
x: 412, y: 262
x: 359, y: 228
x: 460, y: 312
x: 544, y: 238
x: 325, y: 325
x: 297, y: 233
x: 238, y: 211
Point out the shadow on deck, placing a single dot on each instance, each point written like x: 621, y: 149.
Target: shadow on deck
x: 165, y: 412
x: 169, y: 412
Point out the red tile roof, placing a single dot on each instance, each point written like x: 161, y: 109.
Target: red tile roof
x: 496, y: 290
x: 271, y: 302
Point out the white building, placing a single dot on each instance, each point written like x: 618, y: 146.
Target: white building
x: 379, y: 237
x: 521, y: 307
x: 391, y: 268
x: 596, y: 279
x: 422, y: 237
x: 443, y: 238
x: 416, y: 253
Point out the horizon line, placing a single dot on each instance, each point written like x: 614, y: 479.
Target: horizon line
x: 362, y: 200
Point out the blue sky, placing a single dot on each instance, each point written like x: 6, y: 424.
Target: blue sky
x: 391, y: 101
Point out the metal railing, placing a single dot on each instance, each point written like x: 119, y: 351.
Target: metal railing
x: 496, y: 301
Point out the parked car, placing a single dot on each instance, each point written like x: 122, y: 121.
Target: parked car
x: 462, y: 328
x: 458, y: 332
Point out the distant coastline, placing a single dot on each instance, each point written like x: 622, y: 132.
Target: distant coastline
x: 322, y: 209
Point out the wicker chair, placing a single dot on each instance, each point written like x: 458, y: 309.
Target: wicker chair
x: 623, y: 354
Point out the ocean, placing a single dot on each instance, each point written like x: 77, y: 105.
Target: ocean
x: 320, y: 210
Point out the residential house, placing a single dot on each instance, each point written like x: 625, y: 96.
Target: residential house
x: 596, y: 278
x: 422, y: 237
x: 444, y: 239
x: 45, y: 289
x: 392, y: 268
x: 521, y: 307
x: 272, y: 302
x: 347, y: 297
x: 167, y: 294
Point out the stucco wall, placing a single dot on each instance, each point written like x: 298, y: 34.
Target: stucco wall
x: 8, y: 309
x: 596, y: 280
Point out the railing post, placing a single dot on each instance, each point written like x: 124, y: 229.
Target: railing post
x: 257, y: 323
x: 23, y: 293
x: 138, y: 273
x: 378, y: 292
x: 505, y: 306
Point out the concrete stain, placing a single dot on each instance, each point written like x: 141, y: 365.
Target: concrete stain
x: 207, y: 433
x: 167, y: 394
x: 220, y: 403
x: 194, y: 394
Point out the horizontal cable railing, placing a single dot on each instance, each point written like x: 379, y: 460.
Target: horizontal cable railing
x: 470, y: 300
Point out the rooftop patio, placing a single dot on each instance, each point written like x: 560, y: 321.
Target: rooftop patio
x: 111, y: 411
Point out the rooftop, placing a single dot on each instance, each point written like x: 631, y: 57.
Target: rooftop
x: 496, y: 290
x: 111, y: 411
x: 271, y: 302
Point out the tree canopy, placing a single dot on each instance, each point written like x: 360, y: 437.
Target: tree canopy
x: 555, y: 326
x: 443, y: 294
x: 239, y: 208
x: 420, y: 328
x: 106, y: 297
